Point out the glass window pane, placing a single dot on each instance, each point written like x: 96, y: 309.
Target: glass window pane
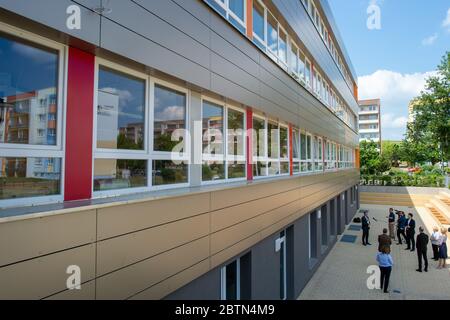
x: 215, y: 4
x: 213, y: 170
x: 273, y: 140
x: 28, y: 92
x: 303, y: 146
x: 111, y: 174
x: 293, y: 61
x: 212, y: 128
x: 235, y: 132
x: 296, y: 144
x: 29, y: 177
x: 259, y: 137
x: 284, y: 142
x: 273, y: 168
x: 120, y: 111
x: 258, y: 20
x: 301, y: 65
x: 282, y: 49
x: 308, y: 147
x: 284, y: 167
x: 272, y: 33
x: 260, y: 169
x: 168, y: 172
x: 169, y: 119
x: 237, y: 7
x: 236, y: 170
x: 308, y: 72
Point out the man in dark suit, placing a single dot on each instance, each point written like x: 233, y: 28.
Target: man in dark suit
x: 422, y: 243
x: 365, y: 224
x: 410, y: 232
x: 384, y: 240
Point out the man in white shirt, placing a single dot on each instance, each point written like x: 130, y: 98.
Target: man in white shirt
x: 435, y: 243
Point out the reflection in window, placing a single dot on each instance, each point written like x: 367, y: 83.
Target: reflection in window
x: 212, y: 128
x: 120, y: 111
x: 258, y: 20
x: 166, y: 172
x: 273, y: 142
x: 259, y: 137
x: 28, y: 88
x: 235, y: 132
x: 236, y: 170
x: 213, y: 170
x: 29, y: 177
x: 169, y: 118
x: 260, y: 169
x: 284, y: 143
x: 237, y: 7
x: 112, y: 174
x: 272, y: 33
x: 282, y: 49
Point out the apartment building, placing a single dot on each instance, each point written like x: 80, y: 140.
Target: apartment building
x: 370, y: 120
x: 191, y: 149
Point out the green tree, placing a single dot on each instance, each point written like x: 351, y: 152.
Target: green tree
x: 430, y: 131
x: 372, y: 162
x: 391, y: 150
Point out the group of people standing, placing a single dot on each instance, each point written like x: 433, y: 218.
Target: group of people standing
x: 406, y: 229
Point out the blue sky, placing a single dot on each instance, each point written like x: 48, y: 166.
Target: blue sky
x: 393, y: 62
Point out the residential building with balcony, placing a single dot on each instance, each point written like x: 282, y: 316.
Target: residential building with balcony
x: 370, y: 120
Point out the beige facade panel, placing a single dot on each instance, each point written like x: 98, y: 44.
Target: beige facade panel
x: 175, y: 282
x: 41, y: 277
x: 118, y: 220
x: 119, y: 252
x: 87, y: 292
x: 231, y: 197
x: 229, y: 216
x: 230, y: 236
x: 25, y: 239
x: 234, y: 250
x: 133, y: 279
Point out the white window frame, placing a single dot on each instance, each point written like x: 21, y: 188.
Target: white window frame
x: 225, y: 157
x: 10, y: 150
x: 309, y: 162
x: 286, y: 159
x: 226, y: 6
x: 223, y: 280
x: 284, y: 64
x: 259, y: 158
x: 296, y: 160
x: 262, y: 41
x: 147, y: 154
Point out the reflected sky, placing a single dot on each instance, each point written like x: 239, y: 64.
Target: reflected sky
x: 24, y: 68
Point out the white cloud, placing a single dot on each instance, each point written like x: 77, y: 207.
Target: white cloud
x: 446, y: 22
x: 395, y: 90
x: 430, y: 40
x: 390, y: 121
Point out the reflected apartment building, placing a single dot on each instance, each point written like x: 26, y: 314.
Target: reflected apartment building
x: 259, y: 100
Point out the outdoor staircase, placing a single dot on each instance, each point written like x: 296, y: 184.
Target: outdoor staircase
x: 439, y: 208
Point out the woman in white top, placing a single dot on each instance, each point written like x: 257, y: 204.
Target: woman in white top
x: 443, y: 249
x: 435, y: 243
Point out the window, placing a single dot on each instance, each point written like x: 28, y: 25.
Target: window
x: 236, y: 279
x: 233, y: 10
x: 308, y: 72
x: 218, y: 163
x: 125, y: 160
x: 32, y: 70
x: 272, y: 34
x: 259, y: 24
x: 294, y: 61
x: 284, y: 150
x: 296, y: 150
x: 270, y: 147
x: 301, y: 66
x: 282, y: 46
x: 305, y: 152
x: 318, y: 154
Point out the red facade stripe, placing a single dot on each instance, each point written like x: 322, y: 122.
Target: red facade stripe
x: 291, y: 151
x: 79, y: 125
x: 249, y: 116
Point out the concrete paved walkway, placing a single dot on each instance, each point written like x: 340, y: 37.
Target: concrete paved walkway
x: 343, y: 274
